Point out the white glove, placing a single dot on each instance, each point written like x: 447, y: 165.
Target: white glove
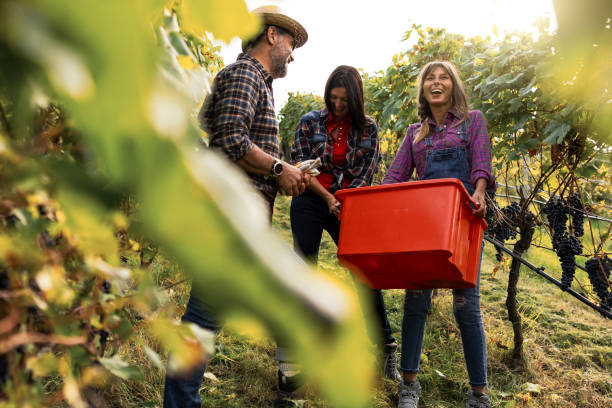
x: 310, y: 166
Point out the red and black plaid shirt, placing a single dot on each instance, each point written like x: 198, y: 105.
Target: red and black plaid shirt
x: 313, y: 140
x: 240, y: 112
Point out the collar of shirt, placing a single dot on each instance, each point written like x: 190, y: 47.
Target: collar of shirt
x: 332, y: 123
x: 451, y: 115
x: 265, y: 74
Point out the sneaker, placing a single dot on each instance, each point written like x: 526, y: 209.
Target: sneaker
x: 408, y: 394
x: 390, y: 362
x: 473, y: 401
x: 286, y: 386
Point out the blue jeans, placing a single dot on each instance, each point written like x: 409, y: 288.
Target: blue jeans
x: 466, y: 307
x: 184, y: 391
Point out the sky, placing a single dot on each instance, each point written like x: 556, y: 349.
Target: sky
x: 366, y: 34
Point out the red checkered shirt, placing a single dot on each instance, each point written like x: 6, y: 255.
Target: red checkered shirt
x: 313, y: 140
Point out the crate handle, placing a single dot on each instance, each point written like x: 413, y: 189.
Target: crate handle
x: 474, y: 203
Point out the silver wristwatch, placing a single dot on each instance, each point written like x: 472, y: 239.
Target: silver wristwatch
x: 277, y: 168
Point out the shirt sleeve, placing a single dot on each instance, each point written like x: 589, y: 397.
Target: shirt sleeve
x: 235, y: 103
x: 300, y: 149
x: 480, y: 161
x: 369, y: 160
x: 403, y: 163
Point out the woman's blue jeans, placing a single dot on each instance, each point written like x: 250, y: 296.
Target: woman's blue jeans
x: 466, y: 307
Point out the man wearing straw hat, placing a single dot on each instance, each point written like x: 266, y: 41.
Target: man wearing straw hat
x: 240, y: 118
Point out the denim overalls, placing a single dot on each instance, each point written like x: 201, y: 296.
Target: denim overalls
x: 444, y: 163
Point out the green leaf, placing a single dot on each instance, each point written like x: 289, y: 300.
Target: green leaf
x: 521, y: 122
x: 516, y: 78
x: 515, y: 104
x: 556, y: 132
x: 524, y: 91
x: 586, y: 171
x: 532, y: 143
x: 178, y: 43
x: 503, y: 80
x: 121, y: 369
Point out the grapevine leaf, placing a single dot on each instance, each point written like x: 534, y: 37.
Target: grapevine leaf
x: 556, y: 132
x: 121, y: 369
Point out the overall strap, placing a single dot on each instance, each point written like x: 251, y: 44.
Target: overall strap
x: 464, y: 132
x: 428, y: 141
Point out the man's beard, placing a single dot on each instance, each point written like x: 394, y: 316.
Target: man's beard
x: 279, y: 62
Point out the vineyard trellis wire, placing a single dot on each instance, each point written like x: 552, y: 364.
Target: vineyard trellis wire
x: 540, y: 271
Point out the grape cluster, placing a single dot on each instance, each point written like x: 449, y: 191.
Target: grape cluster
x: 556, y: 213
x: 504, y: 227
x: 567, y: 249
x: 599, y: 278
x: 575, y: 210
x: 566, y: 244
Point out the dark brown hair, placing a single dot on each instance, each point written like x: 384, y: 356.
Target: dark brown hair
x: 252, y: 43
x: 348, y: 78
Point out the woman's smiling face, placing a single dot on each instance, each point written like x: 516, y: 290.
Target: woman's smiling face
x: 438, y: 87
x: 339, y: 102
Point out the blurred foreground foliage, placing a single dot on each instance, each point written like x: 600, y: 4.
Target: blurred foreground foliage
x: 101, y: 163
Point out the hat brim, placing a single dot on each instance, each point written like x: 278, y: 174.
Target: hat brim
x: 288, y: 24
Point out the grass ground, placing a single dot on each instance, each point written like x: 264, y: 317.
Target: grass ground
x: 567, y: 345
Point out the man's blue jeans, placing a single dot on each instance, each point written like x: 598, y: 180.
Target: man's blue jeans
x: 466, y: 307
x: 184, y: 391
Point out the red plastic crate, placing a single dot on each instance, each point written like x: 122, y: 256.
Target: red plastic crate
x: 413, y: 235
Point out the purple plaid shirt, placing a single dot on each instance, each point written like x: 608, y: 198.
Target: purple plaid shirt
x: 411, y: 156
x: 240, y: 112
x: 312, y: 140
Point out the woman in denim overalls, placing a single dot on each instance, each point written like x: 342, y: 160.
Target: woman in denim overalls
x: 450, y: 141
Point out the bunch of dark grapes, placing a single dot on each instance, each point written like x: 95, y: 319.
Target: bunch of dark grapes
x: 556, y: 213
x: 567, y: 249
x: 504, y: 227
x: 575, y: 210
x: 490, y: 216
x: 599, y: 278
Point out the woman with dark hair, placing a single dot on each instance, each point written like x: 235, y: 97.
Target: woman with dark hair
x: 346, y: 141
x: 449, y: 141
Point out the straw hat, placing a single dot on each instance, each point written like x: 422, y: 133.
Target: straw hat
x: 271, y: 15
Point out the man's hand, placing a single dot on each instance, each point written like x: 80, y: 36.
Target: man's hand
x: 292, y: 181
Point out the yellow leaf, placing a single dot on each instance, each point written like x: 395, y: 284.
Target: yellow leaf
x: 224, y: 20
x: 134, y: 246
x: 186, y: 62
x: 43, y: 365
x: 494, y: 272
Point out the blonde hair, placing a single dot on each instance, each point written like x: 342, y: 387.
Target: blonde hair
x: 459, y: 99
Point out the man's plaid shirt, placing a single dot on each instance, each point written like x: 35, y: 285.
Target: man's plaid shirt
x: 312, y: 140
x: 240, y: 112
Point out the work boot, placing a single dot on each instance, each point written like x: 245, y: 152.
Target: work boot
x: 408, y: 394
x: 482, y: 401
x: 389, y: 362
x: 287, y: 384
